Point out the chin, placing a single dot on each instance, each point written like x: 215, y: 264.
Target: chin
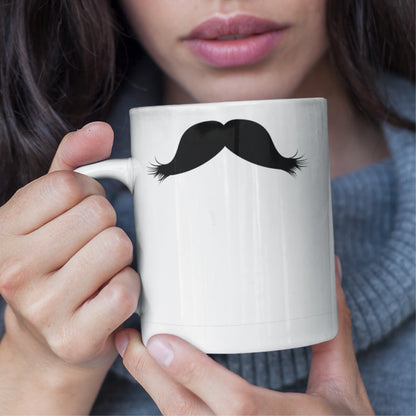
x: 238, y: 97
x: 239, y: 84
x: 243, y: 85
x: 241, y: 94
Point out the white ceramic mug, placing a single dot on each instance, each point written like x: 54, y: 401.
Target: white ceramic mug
x: 233, y: 222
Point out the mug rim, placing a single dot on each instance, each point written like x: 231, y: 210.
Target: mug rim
x: 180, y: 107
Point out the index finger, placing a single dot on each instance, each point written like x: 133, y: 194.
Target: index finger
x: 44, y: 199
x: 49, y: 196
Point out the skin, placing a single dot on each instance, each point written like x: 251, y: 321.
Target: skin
x: 60, y: 341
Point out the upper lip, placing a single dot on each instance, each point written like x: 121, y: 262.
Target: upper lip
x: 217, y: 27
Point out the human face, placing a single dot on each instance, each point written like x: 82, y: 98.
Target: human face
x: 284, y: 43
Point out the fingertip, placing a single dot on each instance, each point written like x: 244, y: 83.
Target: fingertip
x: 338, y: 278
x: 91, y: 143
x: 177, y: 343
x: 126, y: 337
x: 97, y: 126
x: 338, y: 269
x: 121, y: 341
x: 161, y: 350
x: 343, y: 310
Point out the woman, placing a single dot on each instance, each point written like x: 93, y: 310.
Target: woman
x: 67, y: 297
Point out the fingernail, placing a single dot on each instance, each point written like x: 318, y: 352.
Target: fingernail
x: 338, y: 268
x: 89, y: 125
x: 161, y: 351
x: 121, y: 343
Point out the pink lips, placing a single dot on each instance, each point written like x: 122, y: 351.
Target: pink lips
x: 237, y: 41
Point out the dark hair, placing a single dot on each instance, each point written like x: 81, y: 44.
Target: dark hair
x: 367, y: 38
x: 61, y: 60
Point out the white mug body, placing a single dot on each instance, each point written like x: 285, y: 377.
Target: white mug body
x: 234, y: 256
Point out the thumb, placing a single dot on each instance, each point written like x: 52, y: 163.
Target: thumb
x: 90, y: 144
x: 334, y: 361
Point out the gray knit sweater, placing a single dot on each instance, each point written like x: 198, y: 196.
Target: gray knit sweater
x: 374, y: 226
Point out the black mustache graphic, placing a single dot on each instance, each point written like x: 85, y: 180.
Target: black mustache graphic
x: 247, y: 139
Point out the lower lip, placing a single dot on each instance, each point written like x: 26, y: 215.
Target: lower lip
x: 239, y: 52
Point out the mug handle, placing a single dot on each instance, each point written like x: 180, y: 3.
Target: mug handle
x: 120, y: 169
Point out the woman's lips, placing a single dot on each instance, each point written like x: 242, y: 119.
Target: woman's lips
x: 240, y: 40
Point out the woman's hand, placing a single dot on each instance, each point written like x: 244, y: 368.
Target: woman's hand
x: 65, y: 277
x: 183, y: 380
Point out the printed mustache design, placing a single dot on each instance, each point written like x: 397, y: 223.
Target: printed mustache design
x: 247, y: 139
